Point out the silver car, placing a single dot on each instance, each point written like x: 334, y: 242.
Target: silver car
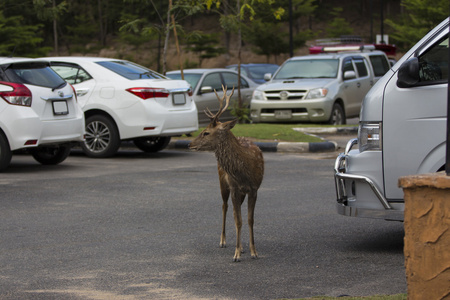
x: 205, y: 81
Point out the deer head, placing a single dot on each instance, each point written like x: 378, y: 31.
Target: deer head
x: 216, y: 131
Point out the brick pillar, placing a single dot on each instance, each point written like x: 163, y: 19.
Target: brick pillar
x: 427, y: 235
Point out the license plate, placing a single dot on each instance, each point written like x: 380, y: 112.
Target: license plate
x: 60, y: 108
x: 283, y: 114
x: 179, y: 99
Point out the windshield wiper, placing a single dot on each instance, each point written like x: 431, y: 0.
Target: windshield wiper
x: 63, y: 84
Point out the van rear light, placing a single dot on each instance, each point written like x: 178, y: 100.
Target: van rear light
x: 147, y: 93
x: 20, y: 94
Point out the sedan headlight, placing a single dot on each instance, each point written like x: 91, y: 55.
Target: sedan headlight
x: 258, y: 95
x: 369, y: 137
x: 317, y: 93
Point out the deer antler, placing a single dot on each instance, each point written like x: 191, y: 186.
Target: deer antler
x: 222, y: 107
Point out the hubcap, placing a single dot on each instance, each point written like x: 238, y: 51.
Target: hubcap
x: 98, y: 136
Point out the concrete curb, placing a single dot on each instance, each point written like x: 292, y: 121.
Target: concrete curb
x: 274, y: 146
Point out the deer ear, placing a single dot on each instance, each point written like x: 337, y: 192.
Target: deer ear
x: 230, y: 124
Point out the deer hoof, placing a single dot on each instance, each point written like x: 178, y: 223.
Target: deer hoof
x: 235, y: 259
x: 223, y: 245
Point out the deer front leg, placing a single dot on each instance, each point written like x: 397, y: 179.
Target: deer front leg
x: 225, y: 192
x: 251, y: 209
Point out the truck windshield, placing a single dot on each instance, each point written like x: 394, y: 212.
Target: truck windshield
x: 311, y: 68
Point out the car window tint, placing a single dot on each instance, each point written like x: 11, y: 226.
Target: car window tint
x: 130, y: 70
x: 380, y: 65
x: 231, y: 80
x: 361, y: 67
x: 214, y: 81
x: 433, y: 64
x: 34, y: 74
x: 347, y: 66
x: 72, y: 74
x: 311, y: 68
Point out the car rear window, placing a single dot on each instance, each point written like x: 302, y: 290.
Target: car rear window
x: 39, y: 74
x: 130, y: 70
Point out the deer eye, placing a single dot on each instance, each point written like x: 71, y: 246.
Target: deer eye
x: 205, y: 133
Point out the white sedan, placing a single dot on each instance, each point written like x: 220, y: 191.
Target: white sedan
x: 125, y: 101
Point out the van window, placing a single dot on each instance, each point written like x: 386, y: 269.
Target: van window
x: 433, y: 64
x: 380, y: 65
x: 347, y: 66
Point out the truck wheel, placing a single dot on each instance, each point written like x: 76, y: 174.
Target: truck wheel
x: 5, y: 152
x: 51, y: 155
x: 152, y: 144
x: 102, y: 137
x: 337, y: 115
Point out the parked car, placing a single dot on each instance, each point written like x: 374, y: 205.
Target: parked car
x: 125, y: 101
x: 318, y: 88
x: 205, y: 81
x: 255, y: 72
x: 402, y: 131
x: 38, y: 112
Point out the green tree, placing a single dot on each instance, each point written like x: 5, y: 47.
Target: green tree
x: 420, y: 17
x: 204, y: 45
x: 338, y: 25
x: 19, y: 39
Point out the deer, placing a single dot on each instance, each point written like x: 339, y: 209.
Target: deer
x: 240, y: 166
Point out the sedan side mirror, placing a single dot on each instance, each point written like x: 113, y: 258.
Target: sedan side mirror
x: 206, y: 89
x: 408, y: 73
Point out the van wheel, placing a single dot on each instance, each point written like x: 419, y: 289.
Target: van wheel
x: 5, y: 152
x: 51, y: 155
x: 102, y: 137
x: 337, y: 115
x: 152, y: 144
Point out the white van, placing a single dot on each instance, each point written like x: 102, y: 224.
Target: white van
x: 402, y: 132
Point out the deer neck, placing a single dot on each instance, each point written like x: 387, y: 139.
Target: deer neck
x: 229, y: 154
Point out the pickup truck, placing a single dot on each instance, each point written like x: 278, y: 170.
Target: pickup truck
x: 325, y: 88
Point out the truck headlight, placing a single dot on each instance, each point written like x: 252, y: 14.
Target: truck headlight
x: 317, y: 93
x: 258, y: 95
x: 369, y: 137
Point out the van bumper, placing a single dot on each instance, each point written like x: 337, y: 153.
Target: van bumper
x: 374, y: 204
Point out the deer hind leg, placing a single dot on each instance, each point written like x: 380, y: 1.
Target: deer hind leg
x: 251, y: 209
x: 225, y: 191
x: 237, y: 202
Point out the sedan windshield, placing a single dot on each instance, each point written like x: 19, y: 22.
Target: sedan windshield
x: 130, y: 70
x: 313, y: 68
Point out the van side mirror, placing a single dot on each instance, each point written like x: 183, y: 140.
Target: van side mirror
x: 408, y: 73
x: 349, y: 75
x: 267, y: 76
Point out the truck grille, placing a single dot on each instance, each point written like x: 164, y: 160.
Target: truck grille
x: 285, y: 94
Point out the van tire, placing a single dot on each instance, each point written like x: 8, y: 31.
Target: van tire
x: 337, y: 116
x: 5, y: 152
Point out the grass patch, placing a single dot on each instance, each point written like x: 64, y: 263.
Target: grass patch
x: 271, y: 132
x: 384, y: 297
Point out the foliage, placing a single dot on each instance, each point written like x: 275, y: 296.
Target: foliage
x: 19, y: 39
x: 338, y: 26
x: 204, y: 45
x: 241, y: 113
x: 421, y: 16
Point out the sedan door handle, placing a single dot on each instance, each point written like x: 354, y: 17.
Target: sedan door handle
x: 358, y: 84
x: 81, y: 92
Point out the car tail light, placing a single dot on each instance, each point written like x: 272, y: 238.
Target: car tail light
x: 147, y: 93
x: 20, y: 94
x: 74, y: 92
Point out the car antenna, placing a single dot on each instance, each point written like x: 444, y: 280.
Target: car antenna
x: 12, y: 52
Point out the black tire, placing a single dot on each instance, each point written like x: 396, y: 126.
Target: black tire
x: 102, y: 137
x: 5, y: 152
x: 51, y: 155
x: 337, y: 115
x: 152, y: 144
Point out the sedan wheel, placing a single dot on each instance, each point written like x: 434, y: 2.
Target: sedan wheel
x: 102, y: 137
x: 152, y: 144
